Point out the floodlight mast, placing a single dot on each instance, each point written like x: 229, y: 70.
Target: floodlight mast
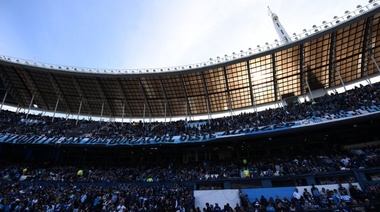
x: 281, y: 32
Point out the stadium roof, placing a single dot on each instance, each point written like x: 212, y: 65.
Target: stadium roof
x: 343, y: 50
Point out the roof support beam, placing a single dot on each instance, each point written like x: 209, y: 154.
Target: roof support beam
x: 122, y: 114
x: 187, y: 107
x: 304, y: 73
x: 31, y: 85
x: 30, y: 105
x: 143, y: 92
x: 228, y: 90
x: 275, y: 86
x: 104, y: 98
x: 5, y: 96
x: 207, y: 96
x: 332, y: 60
x: 166, y: 98
x: 55, y: 110
x: 10, y: 87
x: 126, y: 99
x: 80, y: 108
x: 251, y: 94
x: 367, y: 49
x: 59, y: 93
x: 302, y: 68
x: 82, y: 97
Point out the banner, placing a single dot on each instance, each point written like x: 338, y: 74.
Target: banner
x: 179, y: 139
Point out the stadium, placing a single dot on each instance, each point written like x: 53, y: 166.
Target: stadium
x: 288, y: 126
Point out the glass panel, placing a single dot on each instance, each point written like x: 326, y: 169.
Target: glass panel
x: 288, y: 71
x: 262, y: 79
x: 349, y: 52
x: 317, y: 56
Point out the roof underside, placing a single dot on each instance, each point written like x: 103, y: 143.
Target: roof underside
x: 244, y: 83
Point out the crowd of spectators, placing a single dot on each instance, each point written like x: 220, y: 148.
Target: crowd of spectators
x: 176, y: 198
x: 70, y: 197
x: 339, y: 199
x: 17, y: 196
x: 339, y: 159
x: 280, y: 165
x: 327, y: 106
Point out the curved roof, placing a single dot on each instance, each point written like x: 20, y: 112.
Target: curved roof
x: 347, y: 49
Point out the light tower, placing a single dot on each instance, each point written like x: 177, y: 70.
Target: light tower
x: 282, y: 34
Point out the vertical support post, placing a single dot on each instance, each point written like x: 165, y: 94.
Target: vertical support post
x: 281, y: 103
x: 101, y: 113
x: 251, y: 89
x: 17, y: 108
x: 80, y: 107
x: 341, y: 80
x: 55, y: 110
x: 207, y: 98
x: 302, y: 69
x: 275, y: 87
x: 374, y: 61
x: 144, y: 115
x: 2, y: 103
x: 208, y: 112
x: 228, y: 92
x: 308, y: 88
x: 30, y: 105
x: 369, y: 80
x: 186, y: 110
x: 254, y: 104
x: 165, y: 111
x: 122, y: 115
x: 232, y: 114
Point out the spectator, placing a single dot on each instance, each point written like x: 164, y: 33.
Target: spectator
x: 270, y: 207
x: 316, y: 194
x: 296, y: 194
x: 307, y: 195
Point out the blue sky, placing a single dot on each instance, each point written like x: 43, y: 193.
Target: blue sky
x: 129, y: 34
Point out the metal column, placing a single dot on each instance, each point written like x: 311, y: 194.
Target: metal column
x: 2, y: 103
x: 80, y: 107
x: 165, y: 111
x: 308, y: 88
x: 186, y: 111
x: 341, y: 80
x: 101, y: 113
x: 122, y: 115
x: 55, y: 110
x: 30, y: 105
x: 374, y: 61
x: 144, y: 115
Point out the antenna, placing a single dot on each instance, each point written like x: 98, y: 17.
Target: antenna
x: 269, y: 11
x: 281, y: 32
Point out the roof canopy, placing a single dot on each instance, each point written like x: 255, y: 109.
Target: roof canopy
x: 350, y: 47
